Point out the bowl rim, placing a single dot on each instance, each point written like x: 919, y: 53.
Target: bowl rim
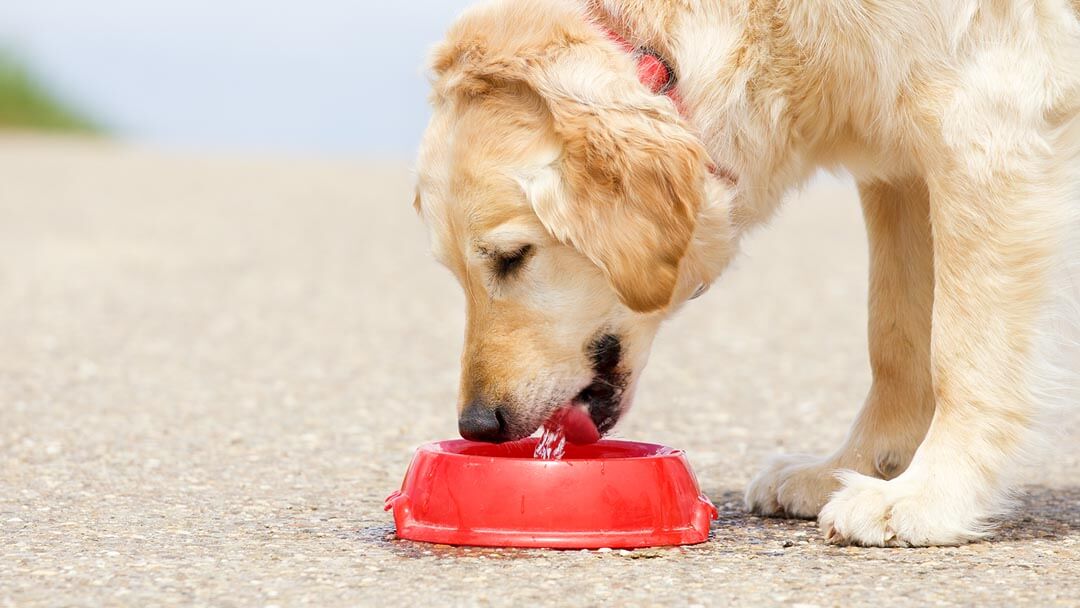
x: 661, y: 452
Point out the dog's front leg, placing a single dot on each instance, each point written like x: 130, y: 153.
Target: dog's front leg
x: 997, y: 219
x: 897, y: 411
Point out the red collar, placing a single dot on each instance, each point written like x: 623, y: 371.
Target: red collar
x: 656, y: 73
x: 653, y: 70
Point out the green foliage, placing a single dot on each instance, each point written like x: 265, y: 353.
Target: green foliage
x: 26, y: 104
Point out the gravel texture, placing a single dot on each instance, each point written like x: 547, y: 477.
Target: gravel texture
x: 212, y: 371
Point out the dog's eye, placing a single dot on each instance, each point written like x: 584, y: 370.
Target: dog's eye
x: 506, y: 264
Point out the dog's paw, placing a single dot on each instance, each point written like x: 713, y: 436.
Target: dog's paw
x: 792, y: 485
x: 898, y: 513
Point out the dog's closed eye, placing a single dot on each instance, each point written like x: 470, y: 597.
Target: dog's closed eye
x: 506, y: 264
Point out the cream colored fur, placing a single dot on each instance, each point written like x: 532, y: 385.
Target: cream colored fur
x: 957, y: 118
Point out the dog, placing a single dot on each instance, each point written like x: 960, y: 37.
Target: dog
x: 579, y: 206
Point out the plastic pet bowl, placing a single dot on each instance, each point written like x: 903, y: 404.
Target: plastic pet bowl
x: 607, y: 494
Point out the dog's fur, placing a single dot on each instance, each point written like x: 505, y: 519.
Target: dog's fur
x: 957, y: 118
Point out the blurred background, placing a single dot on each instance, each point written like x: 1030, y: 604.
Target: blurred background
x: 322, y: 77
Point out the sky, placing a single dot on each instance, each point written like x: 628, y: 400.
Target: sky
x: 324, y: 77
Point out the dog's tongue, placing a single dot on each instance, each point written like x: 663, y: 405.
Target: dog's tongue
x: 577, y: 425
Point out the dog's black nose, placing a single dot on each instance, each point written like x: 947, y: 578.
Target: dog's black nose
x: 480, y: 422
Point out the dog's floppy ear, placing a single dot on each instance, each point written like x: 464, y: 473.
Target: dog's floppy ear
x: 632, y: 176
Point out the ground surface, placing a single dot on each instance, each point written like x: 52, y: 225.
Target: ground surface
x: 213, y: 371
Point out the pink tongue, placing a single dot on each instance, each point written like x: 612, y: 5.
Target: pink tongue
x: 577, y: 425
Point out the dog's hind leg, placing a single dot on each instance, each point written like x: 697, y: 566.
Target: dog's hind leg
x: 898, y: 409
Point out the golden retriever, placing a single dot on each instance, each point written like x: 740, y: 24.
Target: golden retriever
x: 578, y: 208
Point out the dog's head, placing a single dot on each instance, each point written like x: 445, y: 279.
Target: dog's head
x: 573, y: 206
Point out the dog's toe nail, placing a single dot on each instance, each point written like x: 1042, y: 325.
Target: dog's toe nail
x: 830, y: 534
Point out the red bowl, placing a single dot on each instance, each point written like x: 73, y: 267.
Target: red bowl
x: 606, y: 494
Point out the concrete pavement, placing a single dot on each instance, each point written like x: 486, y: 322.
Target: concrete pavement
x: 212, y: 371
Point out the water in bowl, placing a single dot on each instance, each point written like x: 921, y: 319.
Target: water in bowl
x: 552, y: 443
